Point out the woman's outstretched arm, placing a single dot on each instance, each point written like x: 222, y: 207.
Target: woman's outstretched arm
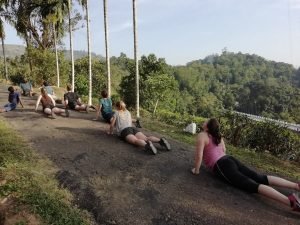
x: 200, y: 144
x: 112, y: 125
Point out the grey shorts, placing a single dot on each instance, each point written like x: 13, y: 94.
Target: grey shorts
x: 127, y: 131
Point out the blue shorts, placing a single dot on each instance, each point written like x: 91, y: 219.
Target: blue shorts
x: 107, y: 116
x: 10, y: 106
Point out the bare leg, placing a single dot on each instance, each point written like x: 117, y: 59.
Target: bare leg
x: 82, y: 107
x: 280, y: 182
x: 58, y: 110
x: 142, y: 136
x: 47, y: 111
x: 153, y: 139
x: 135, y: 141
x: 273, y: 194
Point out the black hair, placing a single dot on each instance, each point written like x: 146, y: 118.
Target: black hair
x: 45, y: 83
x: 213, y: 128
x: 104, y: 94
x: 11, y: 89
x: 69, y: 87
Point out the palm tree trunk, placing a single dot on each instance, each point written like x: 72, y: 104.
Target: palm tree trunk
x: 4, y: 58
x: 28, y: 51
x: 71, y: 45
x: 107, y: 47
x: 56, y: 57
x: 136, y: 59
x: 155, y: 107
x: 89, y: 51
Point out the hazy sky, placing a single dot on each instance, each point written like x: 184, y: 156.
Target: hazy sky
x: 184, y: 30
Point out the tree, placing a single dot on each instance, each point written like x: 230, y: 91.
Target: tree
x: 71, y: 44
x: 56, y: 14
x: 150, y: 68
x: 107, y: 47
x: 85, y: 4
x: 136, y: 59
x: 2, y: 36
x: 160, y: 88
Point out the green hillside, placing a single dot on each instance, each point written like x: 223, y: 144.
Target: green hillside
x: 12, y: 51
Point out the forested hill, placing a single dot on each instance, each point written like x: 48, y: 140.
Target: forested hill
x: 242, y: 82
x: 235, y: 81
x: 11, y: 51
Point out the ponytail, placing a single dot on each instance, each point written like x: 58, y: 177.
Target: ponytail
x: 121, y: 105
x: 213, y: 128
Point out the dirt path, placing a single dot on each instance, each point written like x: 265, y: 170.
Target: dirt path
x: 119, y: 184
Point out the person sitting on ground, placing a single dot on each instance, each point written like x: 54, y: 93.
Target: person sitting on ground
x: 211, y: 148
x: 49, y: 90
x: 26, y: 88
x: 123, y: 122
x: 105, y: 107
x: 13, y: 100
x: 72, y: 100
x: 48, y: 104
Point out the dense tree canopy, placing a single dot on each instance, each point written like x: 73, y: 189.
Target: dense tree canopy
x: 234, y: 81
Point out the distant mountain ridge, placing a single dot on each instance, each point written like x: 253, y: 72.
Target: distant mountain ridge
x: 11, y: 51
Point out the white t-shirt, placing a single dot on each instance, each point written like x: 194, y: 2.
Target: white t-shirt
x: 123, y: 120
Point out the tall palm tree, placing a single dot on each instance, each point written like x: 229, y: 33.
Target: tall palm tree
x: 107, y: 47
x: 55, y: 14
x: 136, y: 59
x: 2, y: 36
x: 3, y: 5
x: 52, y: 19
x: 71, y: 44
x: 56, y: 55
x: 85, y: 5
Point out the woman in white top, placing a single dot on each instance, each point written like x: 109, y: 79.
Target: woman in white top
x: 123, y: 122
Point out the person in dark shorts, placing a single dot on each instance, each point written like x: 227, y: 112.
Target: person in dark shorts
x: 48, y: 104
x: 123, y: 122
x: 13, y: 100
x: 211, y: 148
x: 72, y: 101
x: 105, y: 107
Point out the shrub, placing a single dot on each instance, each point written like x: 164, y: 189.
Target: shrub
x: 260, y: 136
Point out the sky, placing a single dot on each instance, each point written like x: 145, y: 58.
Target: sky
x: 185, y: 30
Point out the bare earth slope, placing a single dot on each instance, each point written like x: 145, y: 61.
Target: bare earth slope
x: 120, y: 184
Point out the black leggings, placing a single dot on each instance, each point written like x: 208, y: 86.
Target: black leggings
x: 237, y: 174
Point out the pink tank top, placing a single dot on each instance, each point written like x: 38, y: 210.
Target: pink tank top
x: 212, y: 153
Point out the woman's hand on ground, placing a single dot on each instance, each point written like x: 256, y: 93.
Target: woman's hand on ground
x: 194, y: 171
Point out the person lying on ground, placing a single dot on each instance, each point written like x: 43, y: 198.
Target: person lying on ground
x: 72, y: 101
x: 13, y: 100
x: 26, y: 87
x: 105, y: 107
x: 48, y: 104
x: 211, y: 148
x: 123, y: 122
x: 49, y: 90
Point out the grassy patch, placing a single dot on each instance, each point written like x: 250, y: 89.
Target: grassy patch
x: 262, y: 161
x: 29, y: 180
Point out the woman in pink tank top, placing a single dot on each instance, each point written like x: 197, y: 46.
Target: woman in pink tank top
x: 211, y: 149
